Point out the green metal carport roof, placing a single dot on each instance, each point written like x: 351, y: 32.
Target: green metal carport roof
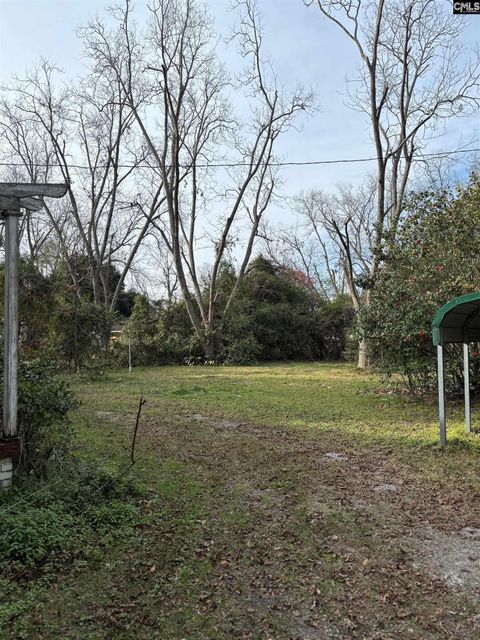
x: 458, y: 320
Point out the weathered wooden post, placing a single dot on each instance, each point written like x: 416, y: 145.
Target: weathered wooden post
x: 13, y: 198
x: 10, y: 447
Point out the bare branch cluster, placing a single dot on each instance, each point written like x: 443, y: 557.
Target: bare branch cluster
x: 178, y: 93
x: 43, y: 124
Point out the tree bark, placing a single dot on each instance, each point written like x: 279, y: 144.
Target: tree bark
x: 363, y: 361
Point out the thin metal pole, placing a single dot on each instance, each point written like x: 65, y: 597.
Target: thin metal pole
x: 441, y: 396
x: 466, y: 383
x: 10, y: 331
x: 129, y: 356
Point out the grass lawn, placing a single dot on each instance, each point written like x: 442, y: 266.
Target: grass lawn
x: 284, y: 501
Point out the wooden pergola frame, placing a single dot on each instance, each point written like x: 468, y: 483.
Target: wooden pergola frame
x: 13, y: 198
x: 458, y: 321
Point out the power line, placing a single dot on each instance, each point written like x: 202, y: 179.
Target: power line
x: 231, y: 165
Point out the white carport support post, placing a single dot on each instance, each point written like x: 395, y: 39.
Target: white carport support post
x: 441, y: 396
x: 466, y: 383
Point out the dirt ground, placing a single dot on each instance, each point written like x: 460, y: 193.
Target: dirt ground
x: 340, y: 544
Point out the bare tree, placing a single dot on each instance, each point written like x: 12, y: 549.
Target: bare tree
x: 333, y: 239
x: 81, y: 135
x: 307, y: 248
x: 178, y: 94
x: 414, y: 74
x: 345, y: 219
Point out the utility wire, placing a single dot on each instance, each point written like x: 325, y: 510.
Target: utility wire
x: 231, y: 165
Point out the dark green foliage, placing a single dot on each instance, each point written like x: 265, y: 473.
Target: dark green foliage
x: 62, y: 518
x: 80, y: 265
x: 52, y: 320
x: 334, y: 321
x: 142, y: 330
x: 278, y: 315
x: 80, y: 333
x: 434, y: 259
x: 125, y: 303
x: 44, y: 401
x: 35, y: 308
x: 36, y: 301
x: 159, y: 333
x: 176, y: 338
x: 30, y: 535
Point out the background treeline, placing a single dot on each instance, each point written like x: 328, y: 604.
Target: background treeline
x: 277, y: 315
x: 278, y: 312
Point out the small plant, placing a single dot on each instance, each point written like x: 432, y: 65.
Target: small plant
x: 113, y: 514
x: 30, y: 535
x: 63, y: 518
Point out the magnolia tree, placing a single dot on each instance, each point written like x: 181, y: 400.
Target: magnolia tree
x: 434, y: 258
x: 178, y: 94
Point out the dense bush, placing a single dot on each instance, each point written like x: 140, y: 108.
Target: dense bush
x: 141, y: 329
x: 44, y: 401
x: 278, y: 315
x: 53, y: 320
x: 177, y: 340
x: 29, y: 536
x: 159, y: 333
x: 80, y: 334
x: 434, y: 259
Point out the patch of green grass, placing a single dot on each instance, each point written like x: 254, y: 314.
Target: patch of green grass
x: 331, y: 401
x: 228, y: 525
x: 53, y: 526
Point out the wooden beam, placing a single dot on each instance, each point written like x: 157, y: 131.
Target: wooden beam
x: 32, y: 204
x: 14, y: 204
x: 10, y: 204
x: 24, y: 190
